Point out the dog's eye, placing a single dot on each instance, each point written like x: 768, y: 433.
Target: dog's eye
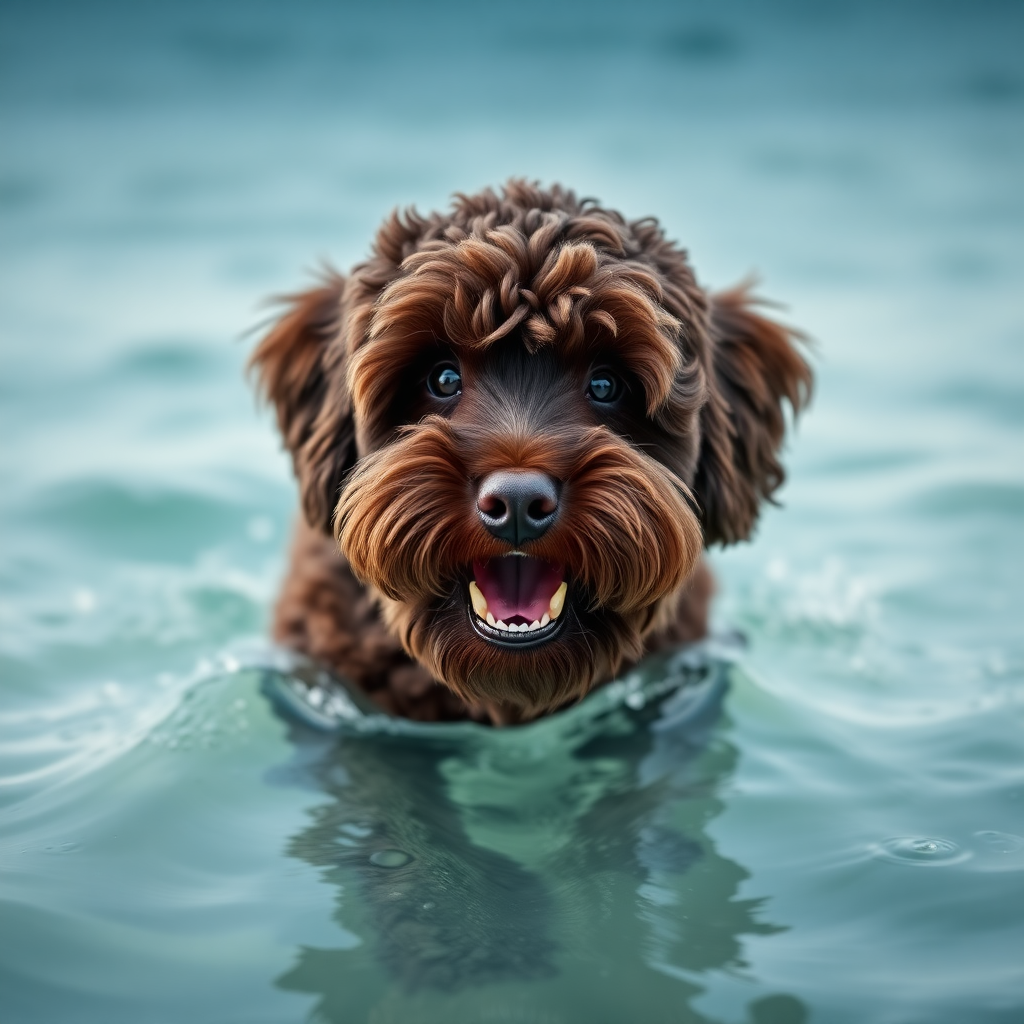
x: 444, y: 381
x: 604, y: 387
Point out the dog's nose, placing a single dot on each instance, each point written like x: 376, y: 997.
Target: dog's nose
x: 517, y: 505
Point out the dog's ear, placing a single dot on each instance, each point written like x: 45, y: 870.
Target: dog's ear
x: 755, y: 366
x: 300, y: 366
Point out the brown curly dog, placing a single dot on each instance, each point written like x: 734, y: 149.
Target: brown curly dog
x: 515, y: 427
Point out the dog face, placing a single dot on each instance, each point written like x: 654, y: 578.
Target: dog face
x: 523, y: 421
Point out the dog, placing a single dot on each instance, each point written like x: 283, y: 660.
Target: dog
x: 515, y: 429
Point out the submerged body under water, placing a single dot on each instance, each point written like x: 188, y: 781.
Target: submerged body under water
x: 272, y: 849
x: 826, y: 826
x: 495, y: 870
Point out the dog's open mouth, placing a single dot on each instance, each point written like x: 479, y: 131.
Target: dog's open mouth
x: 516, y: 599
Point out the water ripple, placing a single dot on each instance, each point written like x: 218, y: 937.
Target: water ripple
x: 921, y: 850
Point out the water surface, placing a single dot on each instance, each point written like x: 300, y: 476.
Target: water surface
x: 827, y: 825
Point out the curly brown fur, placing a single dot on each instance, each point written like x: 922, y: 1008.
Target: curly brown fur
x: 527, y: 294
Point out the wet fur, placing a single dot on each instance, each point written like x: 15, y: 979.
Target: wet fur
x: 529, y: 290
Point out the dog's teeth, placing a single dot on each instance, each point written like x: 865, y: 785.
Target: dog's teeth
x: 479, y: 603
x: 557, y: 601
x: 518, y: 627
x: 478, y: 599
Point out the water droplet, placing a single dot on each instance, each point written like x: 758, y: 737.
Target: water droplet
x: 390, y: 858
x: 922, y: 850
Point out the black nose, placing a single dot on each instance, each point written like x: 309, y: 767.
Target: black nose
x: 517, y: 505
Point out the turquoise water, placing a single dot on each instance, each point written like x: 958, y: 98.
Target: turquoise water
x: 826, y: 825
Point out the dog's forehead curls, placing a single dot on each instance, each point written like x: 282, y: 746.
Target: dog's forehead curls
x: 525, y: 419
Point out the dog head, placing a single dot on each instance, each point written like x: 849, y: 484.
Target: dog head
x: 523, y: 420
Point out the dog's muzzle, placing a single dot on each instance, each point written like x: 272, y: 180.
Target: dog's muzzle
x: 517, y: 601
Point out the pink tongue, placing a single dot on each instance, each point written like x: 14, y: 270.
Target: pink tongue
x: 515, y: 586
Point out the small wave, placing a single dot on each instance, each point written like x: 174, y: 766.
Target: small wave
x: 679, y: 687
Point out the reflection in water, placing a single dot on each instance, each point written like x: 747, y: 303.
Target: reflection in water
x: 444, y: 912
x: 557, y: 872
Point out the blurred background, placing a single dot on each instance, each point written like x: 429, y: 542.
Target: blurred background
x: 165, y: 168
